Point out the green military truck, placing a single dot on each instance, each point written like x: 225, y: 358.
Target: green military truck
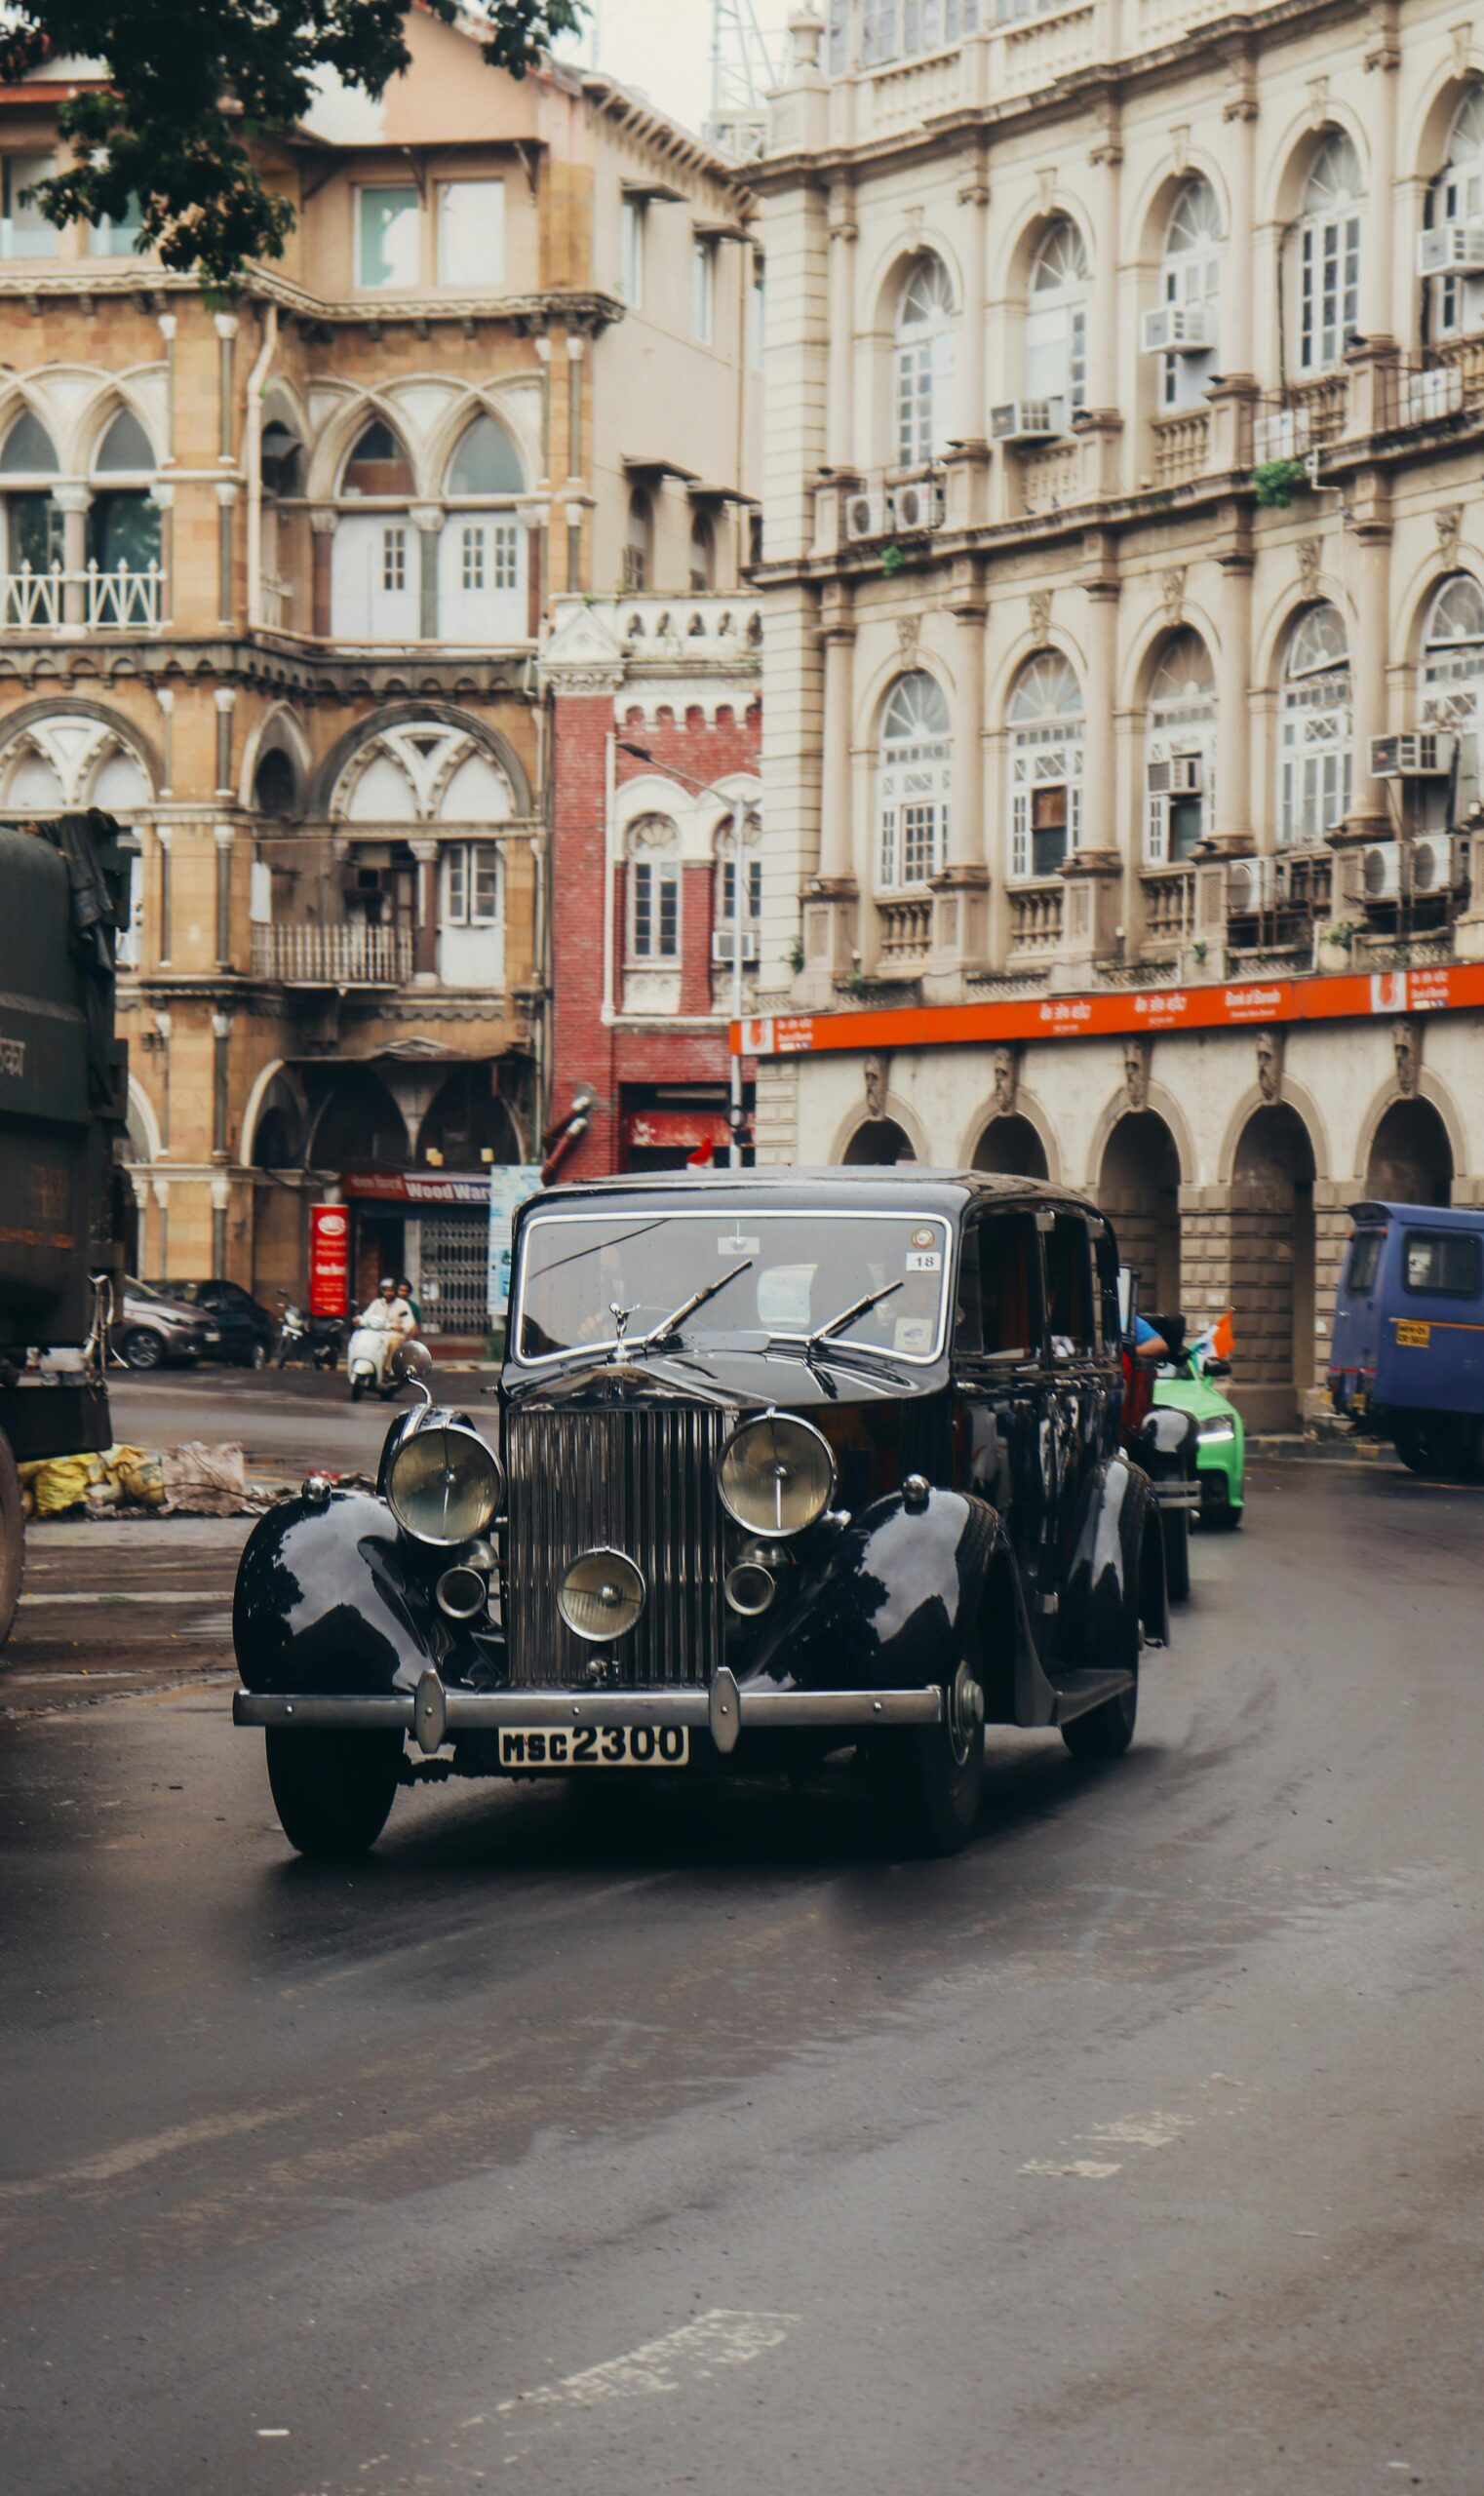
x: 62, y: 1105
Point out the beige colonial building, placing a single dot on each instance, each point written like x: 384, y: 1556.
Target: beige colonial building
x: 1125, y: 639
x: 272, y: 585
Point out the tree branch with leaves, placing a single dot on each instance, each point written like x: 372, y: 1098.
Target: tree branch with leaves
x: 183, y: 92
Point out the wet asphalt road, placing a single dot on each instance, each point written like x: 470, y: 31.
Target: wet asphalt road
x: 677, y: 2139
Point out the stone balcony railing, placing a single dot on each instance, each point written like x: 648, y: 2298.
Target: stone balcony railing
x: 905, y: 934
x: 1036, y: 918
x: 1303, y: 418
x: 345, y: 955
x: 86, y: 601
x: 1181, y: 445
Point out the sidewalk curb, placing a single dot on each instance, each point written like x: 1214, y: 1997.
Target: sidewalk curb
x: 1296, y: 1447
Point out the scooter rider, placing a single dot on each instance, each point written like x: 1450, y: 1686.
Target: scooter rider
x: 388, y: 1312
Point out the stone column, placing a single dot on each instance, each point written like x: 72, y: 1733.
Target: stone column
x: 960, y: 892
x: 839, y: 428
x: 168, y: 327
x: 221, y: 1198
x: 1382, y: 60
x: 163, y: 836
x: 322, y: 526
x: 1093, y: 875
x: 221, y: 1035
x: 831, y: 893
x: 1239, y: 165
x: 973, y: 374
x: 165, y: 696
x: 425, y: 941
x: 225, y: 834
x: 227, y: 333
x: 543, y: 358
x: 74, y: 502
x: 1232, y: 826
x: 576, y: 349
x: 427, y: 519
x: 574, y: 545
x: 1369, y: 818
x: 226, y: 704
x: 162, y: 1026
x: 1101, y: 453
x: 226, y: 497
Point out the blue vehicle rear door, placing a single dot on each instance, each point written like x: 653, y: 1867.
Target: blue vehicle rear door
x: 1436, y: 1318
x: 1358, y: 1301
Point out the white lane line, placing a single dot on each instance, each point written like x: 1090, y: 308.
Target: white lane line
x: 1139, y: 2132
x: 1095, y: 2170
x: 721, y: 2337
x: 131, y: 2156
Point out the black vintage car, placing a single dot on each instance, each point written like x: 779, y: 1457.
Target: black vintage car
x: 783, y: 1462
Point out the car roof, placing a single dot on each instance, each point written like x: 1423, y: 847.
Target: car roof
x: 896, y: 1188
x: 1372, y: 1209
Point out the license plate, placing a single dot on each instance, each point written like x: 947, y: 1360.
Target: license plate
x: 596, y: 1746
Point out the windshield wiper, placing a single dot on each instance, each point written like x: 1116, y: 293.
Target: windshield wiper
x: 811, y: 1342
x: 670, y: 1326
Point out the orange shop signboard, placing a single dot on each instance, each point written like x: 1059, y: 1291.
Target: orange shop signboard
x: 1214, y: 1007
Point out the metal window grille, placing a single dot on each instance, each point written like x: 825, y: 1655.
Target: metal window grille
x: 455, y: 1279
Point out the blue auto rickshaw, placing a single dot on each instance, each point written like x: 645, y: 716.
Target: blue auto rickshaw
x: 1408, y: 1356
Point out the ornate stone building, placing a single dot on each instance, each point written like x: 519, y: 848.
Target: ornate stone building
x: 274, y: 581
x: 1126, y: 625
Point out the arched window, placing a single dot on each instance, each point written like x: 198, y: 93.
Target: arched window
x: 29, y: 450
x: 637, y: 540
x: 34, y: 526
x: 485, y: 462
x: 1329, y: 255
x: 703, y: 555
x: 125, y: 449
x: 1189, y: 282
x: 481, y: 555
x: 1056, y: 321
x: 924, y: 361
x: 376, y: 568
x: 1314, y: 734
x: 1452, y: 679
x: 724, y: 904
x: 913, y: 782
x: 71, y: 761
x: 1045, y: 803
x: 1180, y: 751
x: 1456, y: 203
x: 653, y: 892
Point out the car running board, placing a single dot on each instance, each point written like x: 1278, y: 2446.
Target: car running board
x: 1077, y: 1693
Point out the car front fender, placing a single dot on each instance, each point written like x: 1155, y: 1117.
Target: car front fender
x: 1167, y: 1443
x: 325, y: 1602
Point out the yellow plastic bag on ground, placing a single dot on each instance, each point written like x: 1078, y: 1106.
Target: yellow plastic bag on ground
x: 142, y: 1480
x: 62, y: 1483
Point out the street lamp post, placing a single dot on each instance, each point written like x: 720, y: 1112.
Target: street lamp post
x: 704, y: 789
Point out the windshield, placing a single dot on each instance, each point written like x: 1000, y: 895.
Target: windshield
x: 801, y: 1270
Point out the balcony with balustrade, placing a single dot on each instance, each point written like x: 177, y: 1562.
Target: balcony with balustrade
x: 1037, y: 915
x: 903, y: 936
x: 334, y: 954
x: 90, y: 601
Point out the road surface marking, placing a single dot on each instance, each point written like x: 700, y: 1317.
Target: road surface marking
x: 130, y: 2156
x: 1139, y: 2132
x: 697, y: 2350
x: 1095, y: 2170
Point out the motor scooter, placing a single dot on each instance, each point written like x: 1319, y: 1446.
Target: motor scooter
x: 368, y: 1361
x: 293, y: 1332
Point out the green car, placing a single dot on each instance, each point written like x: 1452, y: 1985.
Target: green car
x: 1219, y: 1446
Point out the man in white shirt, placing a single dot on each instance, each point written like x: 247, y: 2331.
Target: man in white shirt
x: 388, y: 1310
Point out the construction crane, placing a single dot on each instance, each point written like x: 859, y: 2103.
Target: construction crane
x: 742, y: 73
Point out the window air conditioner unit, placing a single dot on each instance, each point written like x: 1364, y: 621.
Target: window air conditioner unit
x: 1183, y: 775
x: 1426, y: 754
x: 1434, y: 868
x: 724, y: 943
x: 1434, y: 394
x: 1381, y: 870
x: 1028, y: 420
x: 919, y: 505
x: 1252, y: 885
x: 1177, y: 329
x: 1452, y: 250
x: 866, y: 515
x: 1281, y: 435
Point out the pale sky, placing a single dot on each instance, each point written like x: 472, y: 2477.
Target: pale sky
x: 664, y: 47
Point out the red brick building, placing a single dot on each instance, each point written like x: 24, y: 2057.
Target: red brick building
x: 643, y: 898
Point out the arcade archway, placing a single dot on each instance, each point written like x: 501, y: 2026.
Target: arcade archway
x: 878, y: 1142
x: 1411, y: 1161
x: 1139, y: 1190
x: 1273, y: 1265
x: 1011, y: 1146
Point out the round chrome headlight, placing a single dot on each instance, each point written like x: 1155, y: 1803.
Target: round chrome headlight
x: 601, y: 1596
x: 776, y: 1474
x: 444, y: 1485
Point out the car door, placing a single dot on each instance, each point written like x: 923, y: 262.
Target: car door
x: 1076, y: 1372
x: 999, y: 1371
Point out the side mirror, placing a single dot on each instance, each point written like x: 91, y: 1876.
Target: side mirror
x: 1218, y: 1368
x: 411, y: 1362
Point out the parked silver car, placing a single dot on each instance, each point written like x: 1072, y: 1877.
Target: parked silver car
x: 155, y: 1329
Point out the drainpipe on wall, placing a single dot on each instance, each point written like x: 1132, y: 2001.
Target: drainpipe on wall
x: 252, y: 460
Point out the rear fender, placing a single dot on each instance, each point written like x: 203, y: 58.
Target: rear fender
x: 1116, y: 1584
x: 326, y: 1600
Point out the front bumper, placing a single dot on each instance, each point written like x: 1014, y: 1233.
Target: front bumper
x: 435, y: 1714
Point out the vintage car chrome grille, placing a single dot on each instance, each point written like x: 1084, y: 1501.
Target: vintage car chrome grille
x: 639, y: 1479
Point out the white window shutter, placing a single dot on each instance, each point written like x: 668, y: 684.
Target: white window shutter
x: 1156, y: 834
x: 1020, y: 832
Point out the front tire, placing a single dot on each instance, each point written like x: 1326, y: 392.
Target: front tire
x: 928, y: 1778
x: 357, y: 1390
x: 1106, y: 1731
x: 1175, y: 1524
x: 333, y: 1791
x: 142, y: 1349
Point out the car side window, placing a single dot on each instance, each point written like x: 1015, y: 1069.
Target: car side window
x: 1009, y: 1287
x: 1365, y: 1257
x: 1446, y: 1264
x: 968, y: 1328
x: 1069, y: 1287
